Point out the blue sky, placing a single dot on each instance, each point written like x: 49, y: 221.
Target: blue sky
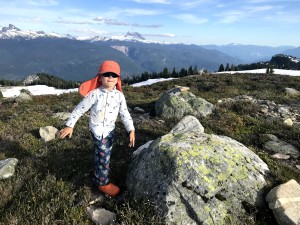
x: 258, y: 22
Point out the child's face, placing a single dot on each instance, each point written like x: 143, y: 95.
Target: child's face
x: 108, y: 81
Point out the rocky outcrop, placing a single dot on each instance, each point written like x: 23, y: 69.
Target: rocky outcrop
x: 30, y: 79
x: 289, y: 114
x: 179, y: 102
x: 197, y: 178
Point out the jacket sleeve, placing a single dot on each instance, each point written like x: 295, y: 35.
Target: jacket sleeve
x: 81, y: 108
x: 125, y: 115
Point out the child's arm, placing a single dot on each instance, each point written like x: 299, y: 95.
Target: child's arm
x: 67, y: 131
x: 79, y: 110
x: 127, y: 121
x: 131, y: 138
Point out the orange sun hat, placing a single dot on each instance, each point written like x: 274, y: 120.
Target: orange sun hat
x: 105, y: 67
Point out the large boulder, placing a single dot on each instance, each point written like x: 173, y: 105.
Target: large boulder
x: 179, y: 102
x: 198, y: 178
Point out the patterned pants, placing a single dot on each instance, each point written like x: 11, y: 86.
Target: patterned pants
x: 102, y: 148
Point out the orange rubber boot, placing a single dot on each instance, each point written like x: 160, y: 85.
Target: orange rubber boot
x: 110, y: 189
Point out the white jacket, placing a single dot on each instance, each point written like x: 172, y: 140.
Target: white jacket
x: 105, y: 107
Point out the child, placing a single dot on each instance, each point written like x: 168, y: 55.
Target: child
x: 103, y: 95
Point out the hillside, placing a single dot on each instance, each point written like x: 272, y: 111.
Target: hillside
x: 69, y: 59
x: 78, y: 60
x: 25, y: 53
x: 52, y: 183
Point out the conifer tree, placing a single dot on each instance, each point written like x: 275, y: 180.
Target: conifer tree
x: 190, y: 71
x: 174, y: 73
x: 221, y: 68
x: 227, y: 67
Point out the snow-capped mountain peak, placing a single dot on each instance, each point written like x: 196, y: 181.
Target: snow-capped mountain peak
x: 12, y: 32
x: 134, y: 35
x: 10, y: 28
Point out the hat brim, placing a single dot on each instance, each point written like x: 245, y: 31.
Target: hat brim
x: 89, y: 85
x: 94, y: 83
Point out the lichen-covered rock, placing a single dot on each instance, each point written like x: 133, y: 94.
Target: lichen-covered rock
x: 178, y: 103
x: 198, y: 178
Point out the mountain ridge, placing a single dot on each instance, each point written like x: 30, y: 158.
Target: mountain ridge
x: 25, y: 53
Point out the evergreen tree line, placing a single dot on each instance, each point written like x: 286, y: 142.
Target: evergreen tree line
x: 279, y: 61
x: 53, y: 81
x: 44, y: 79
x: 163, y: 74
x: 10, y: 83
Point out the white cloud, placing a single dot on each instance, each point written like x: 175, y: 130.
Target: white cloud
x: 72, y: 22
x: 192, y: 4
x: 153, y: 1
x: 160, y: 35
x: 139, y: 12
x: 189, y: 18
x: 231, y: 16
x: 89, y: 32
x: 119, y: 23
x: 255, y: 9
x: 42, y: 3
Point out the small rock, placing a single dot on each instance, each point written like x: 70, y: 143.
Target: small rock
x: 138, y: 110
x: 23, y: 97
x: 292, y: 91
x: 288, y: 122
x: 145, y: 116
x: 48, y: 133
x: 182, y: 89
x: 186, y: 124
x: 101, y: 216
x: 62, y: 115
x: 280, y: 156
x: 7, y: 167
x: 283, y: 111
x: 98, y: 199
x: 298, y: 167
x: 264, y: 110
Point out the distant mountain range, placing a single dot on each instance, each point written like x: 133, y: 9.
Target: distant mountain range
x: 24, y: 53
x: 253, y: 53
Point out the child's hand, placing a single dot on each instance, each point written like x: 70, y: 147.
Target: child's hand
x: 131, y: 138
x: 65, y: 132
